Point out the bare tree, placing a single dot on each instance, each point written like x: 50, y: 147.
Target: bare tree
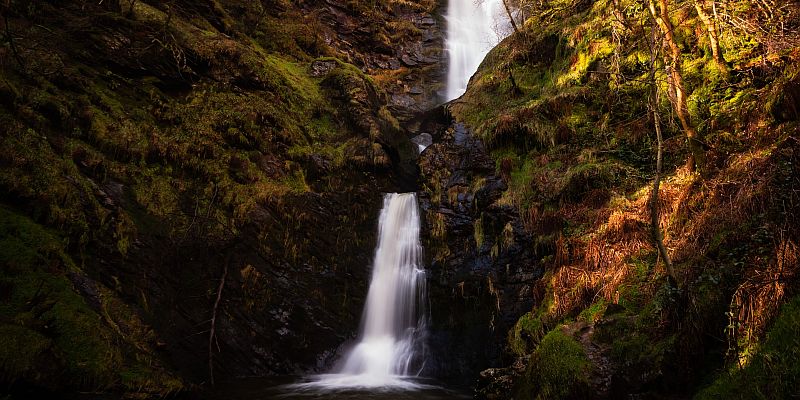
x: 508, y: 6
x: 655, y: 226
x: 8, y: 35
x: 212, y: 335
x: 510, y: 16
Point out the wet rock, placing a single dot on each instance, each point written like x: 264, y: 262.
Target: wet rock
x: 87, y: 287
x: 479, y: 255
x: 408, y: 60
x: 322, y: 67
x: 423, y: 140
x: 403, y: 101
x: 494, y: 383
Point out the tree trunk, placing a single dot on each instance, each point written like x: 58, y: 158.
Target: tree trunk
x: 713, y: 36
x: 514, y: 88
x: 655, y: 226
x: 673, y: 64
x: 131, y: 8
x: 8, y: 36
x: 510, y: 16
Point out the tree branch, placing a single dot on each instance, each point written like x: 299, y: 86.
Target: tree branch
x: 212, y: 333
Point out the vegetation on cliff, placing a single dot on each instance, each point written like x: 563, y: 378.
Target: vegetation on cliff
x: 563, y: 107
x: 164, y: 164
x: 146, y: 146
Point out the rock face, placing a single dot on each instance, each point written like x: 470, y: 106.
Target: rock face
x: 482, y: 266
x: 404, y: 49
x: 304, y: 296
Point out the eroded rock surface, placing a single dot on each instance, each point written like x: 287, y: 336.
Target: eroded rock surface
x: 480, y: 260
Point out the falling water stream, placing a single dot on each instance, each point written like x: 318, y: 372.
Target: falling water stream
x: 390, y: 348
x: 473, y: 28
x: 389, y: 353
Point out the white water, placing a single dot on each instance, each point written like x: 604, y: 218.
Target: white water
x: 389, y: 348
x: 473, y: 28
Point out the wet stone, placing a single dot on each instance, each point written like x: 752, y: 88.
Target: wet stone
x: 322, y: 67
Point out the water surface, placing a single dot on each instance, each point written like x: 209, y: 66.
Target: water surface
x: 287, y: 388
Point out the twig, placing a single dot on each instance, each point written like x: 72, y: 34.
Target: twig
x: 212, y: 333
x: 9, y: 38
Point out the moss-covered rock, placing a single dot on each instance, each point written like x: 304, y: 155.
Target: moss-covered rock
x: 163, y: 141
x: 558, y: 369
x: 56, y: 328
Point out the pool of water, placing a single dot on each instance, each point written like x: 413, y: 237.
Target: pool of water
x: 291, y: 388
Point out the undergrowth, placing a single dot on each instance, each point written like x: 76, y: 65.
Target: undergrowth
x: 562, y: 106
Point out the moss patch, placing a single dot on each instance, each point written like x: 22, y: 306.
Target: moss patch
x: 773, y: 371
x: 558, y: 369
x: 49, y: 335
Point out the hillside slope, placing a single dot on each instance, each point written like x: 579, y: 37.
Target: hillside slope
x: 169, y: 168
x: 562, y: 107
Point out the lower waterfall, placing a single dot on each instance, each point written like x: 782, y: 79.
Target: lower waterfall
x: 390, y: 345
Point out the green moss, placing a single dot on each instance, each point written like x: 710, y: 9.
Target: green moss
x: 558, y: 369
x: 773, y: 371
x: 156, y: 191
x: 293, y: 80
x: 438, y: 229
x: 526, y: 334
x: 586, y: 60
x: 45, y: 300
x: 478, y: 233
x: 581, y: 178
x: 22, y: 351
x: 594, y: 312
x: 49, y: 335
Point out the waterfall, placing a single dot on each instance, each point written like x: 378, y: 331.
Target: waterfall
x: 473, y: 28
x: 389, y: 347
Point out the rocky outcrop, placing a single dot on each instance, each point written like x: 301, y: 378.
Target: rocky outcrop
x: 481, y: 264
x: 400, y: 43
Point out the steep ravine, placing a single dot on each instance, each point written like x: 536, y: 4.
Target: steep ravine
x: 194, y: 186
x: 561, y: 109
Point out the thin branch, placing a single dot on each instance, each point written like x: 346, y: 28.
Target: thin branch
x: 213, y: 333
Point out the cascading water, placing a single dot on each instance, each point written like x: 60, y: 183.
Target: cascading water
x: 473, y: 28
x: 390, y: 343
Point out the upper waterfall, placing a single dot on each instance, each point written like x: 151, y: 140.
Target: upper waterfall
x: 473, y: 28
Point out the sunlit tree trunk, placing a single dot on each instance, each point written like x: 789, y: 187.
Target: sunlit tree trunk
x: 655, y: 226
x: 673, y: 64
x: 711, y: 27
